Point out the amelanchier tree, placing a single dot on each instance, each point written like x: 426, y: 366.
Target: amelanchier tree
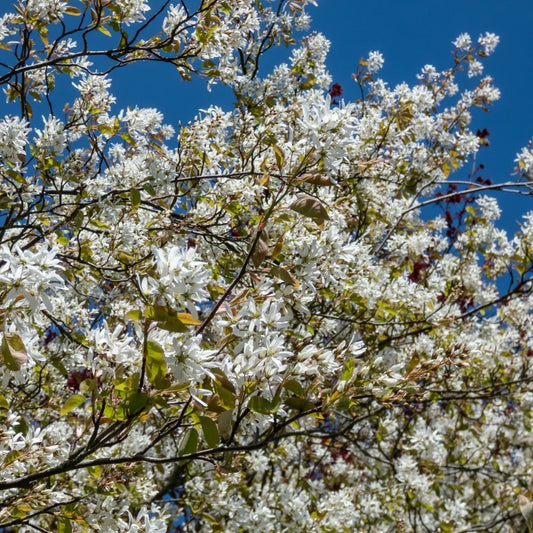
x: 298, y: 314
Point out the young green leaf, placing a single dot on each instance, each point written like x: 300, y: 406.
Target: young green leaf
x: 188, y: 319
x: 72, y: 403
x: 134, y: 315
x: 64, y: 525
x: 283, y: 274
x: 156, y: 367
x: 135, y: 197
x: 189, y: 444
x: 210, y: 431
x: 280, y: 156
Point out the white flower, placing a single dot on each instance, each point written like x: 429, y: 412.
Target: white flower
x: 524, y: 160
x: 175, y: 16
x: 13, y: 138
x: 52, y: 136
x: 5, y: 22
x: 94, y: 92
x: 181, y: 277
x: 489, y: 42
x: 463, y: 42
x: 47, y: 10
x: 375, y: 61
x: 133, y: 10
x: 34, y: 275
x: 475, y: 68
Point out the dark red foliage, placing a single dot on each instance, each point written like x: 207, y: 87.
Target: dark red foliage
x: 336, y: 90
x: 416, y: 276
x: 483, y: 133
x: 75, y: 377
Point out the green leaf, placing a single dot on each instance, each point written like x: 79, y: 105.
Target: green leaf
x: 316, y: 179
x: 95, y: 471
x: 308, y: 206
x: 137, y: 402
x: 127, y: 137
x: 188, y: 319
x: 134, y: 315
x: 210, y: 431
x: 125, y: 258
x: 301, y: 404
x: 72, y: 403
x: 64, y: 525
x: 123, y: 40
x: 261, y: 405
x: 404, y: 116
x: 11, y: 456
x: 159, y: 313
x: 128, y: 386
x: 227, y: 398
x: 173, y: 324
x: 222, y: 379
x: 189, y: 444
x: 225, y: 8
x: 98, y: 224
x: 88, y: 385
x: 17, y: 176
x: 283, y: 274
x: 156, y: 367
x: 104, y: 30
x: 13, y: 351
x: 167, y: 318
x: 3, y: 402
x: 135, y: 196
x: 294, y: 386
x: 71, y: 10
x: 280, y: 156
x: 347, y: 373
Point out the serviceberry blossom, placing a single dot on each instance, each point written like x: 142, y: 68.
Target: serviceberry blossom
x: 180, y: 279
x: 489, y: 42
x: 52, y: 136
x: 375, y: 61
x: 475, y: 68
x: 133, y: 10
x: 294, y: 313
x: 47, y: 10
x: 463, y: 42
x: 176, y: 15
x: 13, y: 138
x: 34, y: 275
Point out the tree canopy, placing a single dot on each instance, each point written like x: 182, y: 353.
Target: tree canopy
x: 297, y: 314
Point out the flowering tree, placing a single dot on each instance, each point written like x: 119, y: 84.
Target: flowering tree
x: 296, y: 315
